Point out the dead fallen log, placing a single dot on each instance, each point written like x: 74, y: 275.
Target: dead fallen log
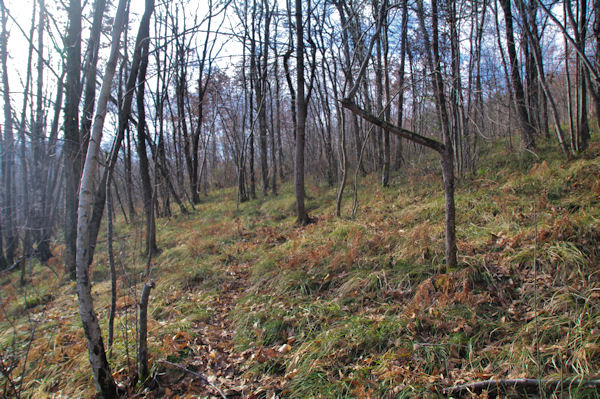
x: 523, y: 384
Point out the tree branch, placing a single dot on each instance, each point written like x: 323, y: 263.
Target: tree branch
x: 520, y: 383
x: 398, y: 131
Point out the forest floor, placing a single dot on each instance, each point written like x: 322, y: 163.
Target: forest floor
x: 249, y: 305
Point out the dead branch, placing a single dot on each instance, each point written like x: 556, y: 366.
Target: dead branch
x: 521, y: 384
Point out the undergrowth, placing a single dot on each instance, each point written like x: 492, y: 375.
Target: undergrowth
x: 346, y: 307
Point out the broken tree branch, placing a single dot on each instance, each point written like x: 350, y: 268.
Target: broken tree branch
x: 521, y: 384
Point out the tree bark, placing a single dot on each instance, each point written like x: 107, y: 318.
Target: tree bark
x: 8, y: 155
x: 527, y: 132
x: 39, y: 219
x: 144, y: 167
x: 143, y: 332
x: 89, y: 98
x: 100, y: 367
x: 124, y: 116
x: 301, y: 108
x: 401, y: 81
x: 72, y: 167
x: 27, y: 245
x: 111, y: 262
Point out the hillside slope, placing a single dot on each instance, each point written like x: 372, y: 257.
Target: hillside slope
x: 357, y: 307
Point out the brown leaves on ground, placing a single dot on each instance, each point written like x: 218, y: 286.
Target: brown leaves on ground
x: 214, y: 353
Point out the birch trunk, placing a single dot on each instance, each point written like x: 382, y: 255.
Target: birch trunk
x: 100, y: 367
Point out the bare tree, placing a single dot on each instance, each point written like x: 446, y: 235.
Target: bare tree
x: 302, y: 99
x: 445, y: 149
x: 100, y: 367
x: 144, y: 167
x: 301, y: 109
x: 8, y: 155
x: 72, y: 165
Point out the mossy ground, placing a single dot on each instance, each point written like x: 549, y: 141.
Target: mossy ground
x: 350, y: 307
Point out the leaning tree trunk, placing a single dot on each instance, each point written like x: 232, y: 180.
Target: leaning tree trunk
x: 89, y: 99
x: 100, y: 367
x: 124, y: 116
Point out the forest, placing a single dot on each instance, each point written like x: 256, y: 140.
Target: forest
x: 300, y: 199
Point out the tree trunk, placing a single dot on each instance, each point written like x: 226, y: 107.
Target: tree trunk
x: 301, y: 108
x: 596, y: 85
x: 71, y: 146
x: 8, y: 154
x: 583, y: 125
x: 90, y: 76
x: 261, y: 97
x: 401, y: 81
x: 27, y: 245
x: 100, y: 367
x: 124, y: 116
x: 385, y: 173
x: 527, y: 132
x: 39, y: 219
x: 143, y: 332
x: 144, y: 167
x: 113, y: 272
x: 275, y: 129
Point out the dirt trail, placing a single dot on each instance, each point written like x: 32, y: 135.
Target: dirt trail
x: 215, y: 357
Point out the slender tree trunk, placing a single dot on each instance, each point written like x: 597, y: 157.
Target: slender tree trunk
x: 261, y: 98
x: 3, y: 263
x: 527, y: 132
x: 124, y: 116
x: 143, y: 332
x: 90, y: 77
x: 8, y: 154
x: 583, y: 125
x: 27, y: 245
x: 595, y: 87
x: 385, y: 173
x: 72, y: 167
x: 401, y: 82
x: 275, y: 127
x: 151, y: 247
x: 113, y: 272
x: 39, y: 219
x: 301, y: 108
x: 100, y: 367
x: 448, y: 155
x: 378, y: 65
x: 343, y: 163
x: 278, y: 118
